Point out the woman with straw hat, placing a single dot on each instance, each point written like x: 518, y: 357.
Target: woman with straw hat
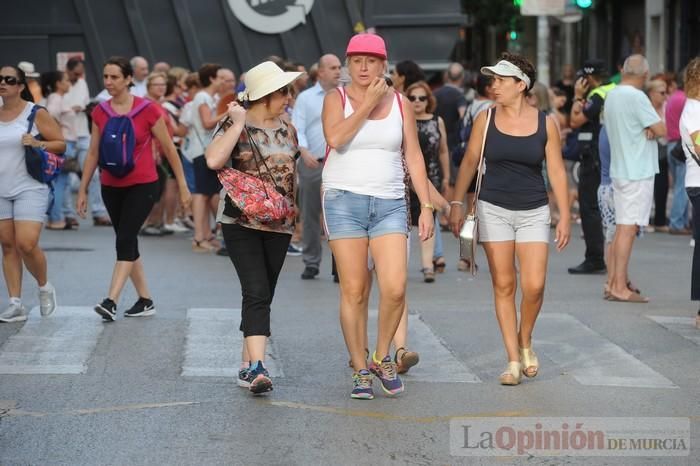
x: 257, y: 249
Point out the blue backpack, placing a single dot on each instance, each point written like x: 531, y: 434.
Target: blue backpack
x: 118, y: 141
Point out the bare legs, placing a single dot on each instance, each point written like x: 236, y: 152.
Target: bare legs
x: 532, y: 258
x: 124, y: 270
x: 20, y: 244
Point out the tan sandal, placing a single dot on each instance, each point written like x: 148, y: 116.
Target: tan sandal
x: 203, y: 246
x: 511, y: 376
x: 407, y: 360
x: 531, y: 364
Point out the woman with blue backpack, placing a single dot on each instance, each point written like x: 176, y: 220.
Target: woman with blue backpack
x: 26, y: 130
x: 122, y: 145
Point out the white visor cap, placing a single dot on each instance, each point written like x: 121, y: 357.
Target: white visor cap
x: 506, y: 68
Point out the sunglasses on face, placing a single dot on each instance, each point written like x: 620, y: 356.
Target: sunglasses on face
x: 10, y: 80
x: 284, y: 91
x: 419, y: 98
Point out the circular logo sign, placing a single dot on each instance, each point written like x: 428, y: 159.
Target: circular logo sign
x: 271, y: 16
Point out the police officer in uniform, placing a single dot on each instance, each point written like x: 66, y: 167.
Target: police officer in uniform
x: 590, y: 92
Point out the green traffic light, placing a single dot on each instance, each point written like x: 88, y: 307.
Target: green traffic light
x: 583, y: 3
x: 513, y: 35
x: 518, y: 3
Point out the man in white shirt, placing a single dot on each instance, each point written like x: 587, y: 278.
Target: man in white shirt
x: 140, y: 67
x: 78, y: 98
x: 306, y: 118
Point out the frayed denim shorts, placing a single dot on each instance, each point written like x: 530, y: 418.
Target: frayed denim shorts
x: 348, y: 215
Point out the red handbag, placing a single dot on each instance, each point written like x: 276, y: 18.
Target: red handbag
x: 255, y: 198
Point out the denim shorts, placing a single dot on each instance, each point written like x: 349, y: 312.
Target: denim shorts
x: 348, y: 215
x: 29, y: 205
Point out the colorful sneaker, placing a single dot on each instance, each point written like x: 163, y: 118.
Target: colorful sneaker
x: 362, y: 385
x: 107, y: 309
x: 259, y: 379
x: 388, y: 375
x: 14, y: 313
x: 244, y: 378
x: 142, y: 308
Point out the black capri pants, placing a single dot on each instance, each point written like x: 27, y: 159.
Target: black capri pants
x: 258, y: 257
x: 128, y: 208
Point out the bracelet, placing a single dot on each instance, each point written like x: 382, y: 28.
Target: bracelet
x: 460, y: 203
x: 428, y: 205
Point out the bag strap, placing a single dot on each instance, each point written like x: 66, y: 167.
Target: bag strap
x: 480, y: 167
x: 257, y: 154
x: 107, y: 108
x: 32, y: 117
x: 136, y: 110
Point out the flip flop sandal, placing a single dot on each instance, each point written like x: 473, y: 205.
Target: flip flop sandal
x: 439, y: 265
x: 407, y: 360
x: 635, y: 298
x: 633, y: 289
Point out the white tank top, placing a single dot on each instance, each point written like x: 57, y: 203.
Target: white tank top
x: 14, y: 178
x: 371, y: 162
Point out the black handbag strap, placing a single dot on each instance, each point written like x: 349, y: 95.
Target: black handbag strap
x: 257, y: 154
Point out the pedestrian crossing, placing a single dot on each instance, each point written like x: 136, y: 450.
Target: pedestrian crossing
x: 65, y: 342
x: 214, y: 342
x: 60, y: 344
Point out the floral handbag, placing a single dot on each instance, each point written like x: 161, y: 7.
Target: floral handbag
x: 255, y: 198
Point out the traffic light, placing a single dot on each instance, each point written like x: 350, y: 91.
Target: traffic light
x: 518, y: 3
x: 583, y: 4
x: 512, y: 35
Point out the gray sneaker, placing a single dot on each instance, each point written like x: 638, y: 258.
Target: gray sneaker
x: 14, y: 313
x: 47, y: 301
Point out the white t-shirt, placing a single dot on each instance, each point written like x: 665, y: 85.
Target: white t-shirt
x: 198, y: 137
x: 690, y: 123
x: 79, y: 95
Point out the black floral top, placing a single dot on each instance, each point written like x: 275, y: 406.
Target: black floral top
x: 278, y: 147
x: 429, y: 140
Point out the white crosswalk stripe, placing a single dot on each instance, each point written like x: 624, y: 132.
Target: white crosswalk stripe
x: 591, y: 358
x: 683, y: 326
x: 437, y: 362
x: 60, y: 344
x: 214, y: 342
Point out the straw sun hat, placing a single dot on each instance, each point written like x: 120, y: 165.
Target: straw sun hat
x: 264, y: 79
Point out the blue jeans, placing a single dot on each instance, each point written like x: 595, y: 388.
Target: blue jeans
x: 62, y: 199
x: 678, y: 218
x: 438, y: 250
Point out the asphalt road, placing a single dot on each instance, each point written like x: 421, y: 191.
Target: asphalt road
x: 161, y: 390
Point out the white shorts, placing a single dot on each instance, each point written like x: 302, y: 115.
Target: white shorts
x: 521, y: 226
x: 633, y: 201
x: 29, y: 205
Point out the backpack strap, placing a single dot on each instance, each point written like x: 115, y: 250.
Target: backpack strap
x: 399, y: 99
x: 341, y: 91
x: 107, y: 108
x: 140, y: 106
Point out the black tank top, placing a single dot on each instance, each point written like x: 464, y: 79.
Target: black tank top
x: 513, y: 177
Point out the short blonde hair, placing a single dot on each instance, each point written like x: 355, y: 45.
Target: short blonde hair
x: 691, y: 79
x: 432, y: 103
x: 155, y: 75
x: 656, y: 84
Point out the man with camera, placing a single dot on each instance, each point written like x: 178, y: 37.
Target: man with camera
x: 590, y: 92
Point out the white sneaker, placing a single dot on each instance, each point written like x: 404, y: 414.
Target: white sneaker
x: 692, y: 243
x: 175, y: 228
x: 47, y: 301
x: 14, y: 313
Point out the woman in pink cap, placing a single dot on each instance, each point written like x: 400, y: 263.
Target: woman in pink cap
x: 370, y: 129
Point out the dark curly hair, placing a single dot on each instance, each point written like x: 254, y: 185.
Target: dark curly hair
x: 524, y: 65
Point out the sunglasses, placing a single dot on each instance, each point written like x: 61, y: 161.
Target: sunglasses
x: 10, y: 80
x: 284, y: 91
x: 420, y: 98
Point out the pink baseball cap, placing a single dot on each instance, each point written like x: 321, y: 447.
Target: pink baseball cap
x: 366, y: 44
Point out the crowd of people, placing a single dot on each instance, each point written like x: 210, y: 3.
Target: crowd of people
x: 277, y: 162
